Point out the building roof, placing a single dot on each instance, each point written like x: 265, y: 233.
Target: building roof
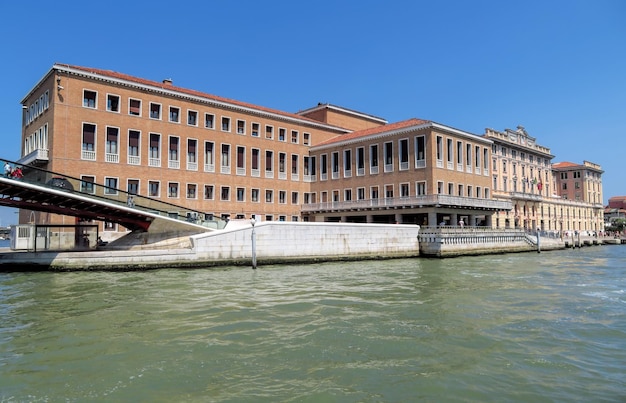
x: 565, y: 165
x: 166, y: 86
x: 394, y: 128
x: 322, y: 106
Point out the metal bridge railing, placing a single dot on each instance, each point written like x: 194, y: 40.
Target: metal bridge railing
x: 42, y: 177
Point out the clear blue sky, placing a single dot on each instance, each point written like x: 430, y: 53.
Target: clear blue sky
x: 557, y: 67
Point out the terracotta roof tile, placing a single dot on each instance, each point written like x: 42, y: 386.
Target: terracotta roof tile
x: 166, y: 86
x: 376, y: 130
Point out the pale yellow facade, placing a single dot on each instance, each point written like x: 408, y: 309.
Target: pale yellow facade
x: 524, y: 174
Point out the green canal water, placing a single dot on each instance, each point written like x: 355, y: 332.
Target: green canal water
x: 529, y: 327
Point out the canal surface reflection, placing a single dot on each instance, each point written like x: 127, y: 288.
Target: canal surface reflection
x: 517, y: 327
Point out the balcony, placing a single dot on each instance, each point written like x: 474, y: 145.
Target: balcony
x: 36, y: 157
x: 411, y: 202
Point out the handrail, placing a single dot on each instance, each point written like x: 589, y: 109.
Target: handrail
x: 43, y: 177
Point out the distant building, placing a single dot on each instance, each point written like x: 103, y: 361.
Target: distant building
x: 523, y: 173
x: 615, y: 209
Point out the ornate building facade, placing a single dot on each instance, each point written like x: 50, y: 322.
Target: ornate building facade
x: 523, y: 173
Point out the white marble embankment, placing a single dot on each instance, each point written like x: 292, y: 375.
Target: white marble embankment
x: 276, y: 242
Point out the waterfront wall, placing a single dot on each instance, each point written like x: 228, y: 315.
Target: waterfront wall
x: 276, y: 242
x: 457, y: 241
x: 280, y: 241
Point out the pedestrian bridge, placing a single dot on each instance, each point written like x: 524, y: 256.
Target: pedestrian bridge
x: 50, y: 192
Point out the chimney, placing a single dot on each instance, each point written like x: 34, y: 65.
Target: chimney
x: 167, y: 81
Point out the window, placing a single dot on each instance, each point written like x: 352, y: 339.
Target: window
x: 282, y: 157
x: 282, y: 133
x: 209, y: 192
x: 113, y: 103
x: 294, y: 197
x: 225, y: 162
x: 133, y: 147
x: 347, y: 163
x: 563, y: 175
x: 449, y: 152
x: 282, y: 197
x: 294, y: 164
x: 360, y: 193
x: 153, y: 189
x: 255, y: 163
x: 172, y: 190
x: 132, y: 186
x: 389, y: 191
x: 192, y: 118
x: 225, y: 124
x: 269, y: 163
x: 254, y: 195
x: 241, y: 127
x: 209, y: 120
x: 404, y: 190
x: 255, y: 130
x: 225, y: 193
x: 403, y: 154
x: 110, y: 186
x: 374, y: 159
x: 174, y: 114
x: 360, y: 161
x: 439, y: 148
x: 87, y: 184
x: 324, y: 167
x: 111, y: 150
x: 173, y: 160
x: 486, y: 159
x: 269, y: 196
x: 477, y: 157
x: 306, y: 139
x: 89, y: 142
x: 155, y: 111
x: 420, y: 188
x: 241, y: 160
x: 347, y: 194
x: 155, y: 152
x: 459, y: 154
x: 209, y: 156
x: 134, y: 107
x: 294, y: 136
x: 468, y: 155
x: 192, y: 154
x: 334, y: 162
x: 89, y: 99
x: 388, y: 152
x: 191, y: 190
x: 269, y: 132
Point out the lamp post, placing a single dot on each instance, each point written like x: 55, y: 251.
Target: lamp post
x: 253, y: 221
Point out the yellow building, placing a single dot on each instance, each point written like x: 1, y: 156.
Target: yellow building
x: 523, y: 173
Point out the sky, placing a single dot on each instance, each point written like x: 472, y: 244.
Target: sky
x: 556, y: 67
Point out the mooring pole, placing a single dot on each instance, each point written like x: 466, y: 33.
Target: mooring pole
x: 253, y: 221
x: 538, y: 241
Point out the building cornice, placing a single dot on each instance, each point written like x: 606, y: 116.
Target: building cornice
x: 399, y: 131
x: 196, y: 96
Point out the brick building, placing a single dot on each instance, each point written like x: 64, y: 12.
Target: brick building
x: 234, y: 159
